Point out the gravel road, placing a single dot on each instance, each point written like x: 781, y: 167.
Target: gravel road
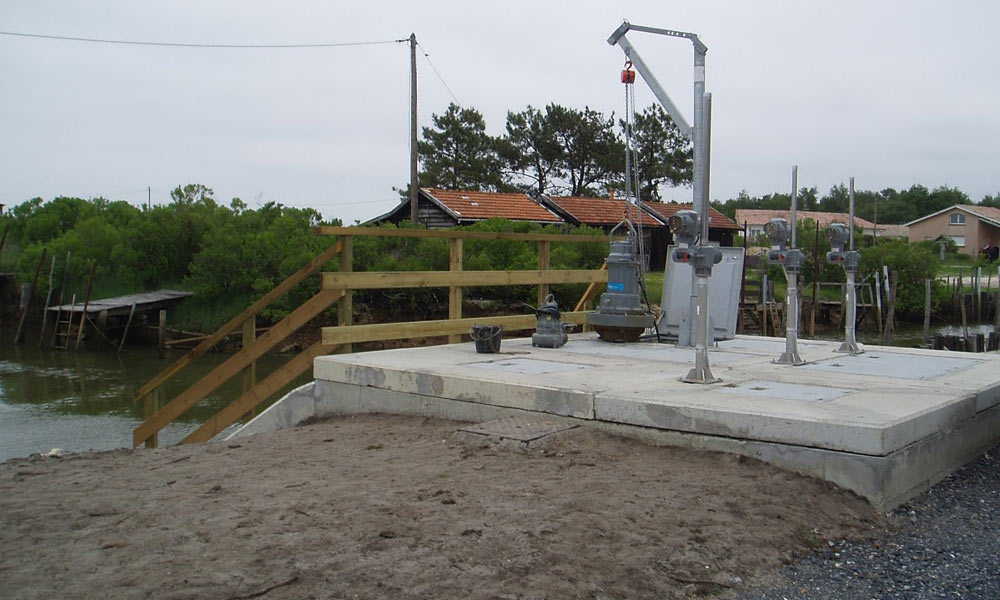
x: 945, y: 544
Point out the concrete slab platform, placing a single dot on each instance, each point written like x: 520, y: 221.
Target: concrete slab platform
x: 859, y: 421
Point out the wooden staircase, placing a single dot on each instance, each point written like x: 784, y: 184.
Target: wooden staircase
x: 243, y: 361
x: 337, y: 287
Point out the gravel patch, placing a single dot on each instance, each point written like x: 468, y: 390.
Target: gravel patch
x: 942, y: 544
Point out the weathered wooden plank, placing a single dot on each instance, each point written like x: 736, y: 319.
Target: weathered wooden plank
x: 250, y: 371
x: 265, y: 301
x: 592, y: 291
x: 543, y: 265
x: 455, y: 292
x: 416, y: 279
x: 345, y: 311
x: 250, y: 399
x: 235, y: 364
x: 452, y: 234
x: 412, y: 329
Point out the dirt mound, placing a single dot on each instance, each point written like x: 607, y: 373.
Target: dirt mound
x: 383, y: 506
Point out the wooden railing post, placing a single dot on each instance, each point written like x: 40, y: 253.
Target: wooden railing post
x: 151, y: 404
x: 250, y: 372
x: 345, y: 311
x: 455, y: 292
x: 543, y: 265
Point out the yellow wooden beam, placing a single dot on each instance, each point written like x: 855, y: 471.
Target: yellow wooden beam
x: 191, y: 396
x: 453, y: 234
x: 543, y: 265
x: 294, y: 279
x: 592, y: 291
x: 250, y: 399
x: 455, y: 292
x: 345, y: 311
x: 412, y: 329
x: 416, y: 279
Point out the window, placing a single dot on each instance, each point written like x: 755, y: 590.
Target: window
x: 958, y: 219
x: 958, y: 239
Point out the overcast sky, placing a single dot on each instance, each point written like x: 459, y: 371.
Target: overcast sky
x: 891, y: 92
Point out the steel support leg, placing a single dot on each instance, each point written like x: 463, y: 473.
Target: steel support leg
x: 850, y: 344
x: 701, y: 373
x: 791, y: 354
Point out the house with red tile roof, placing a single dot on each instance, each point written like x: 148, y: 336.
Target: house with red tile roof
x: 441, y: 209
x: 608, y: 212
x: 755, y: 219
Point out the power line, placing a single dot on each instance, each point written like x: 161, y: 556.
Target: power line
x: 185, y: 45
x: 438, y: 73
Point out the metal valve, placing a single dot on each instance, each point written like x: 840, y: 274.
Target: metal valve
x: 779, y: 232
x: 684, y: 226
x: 839, y: 234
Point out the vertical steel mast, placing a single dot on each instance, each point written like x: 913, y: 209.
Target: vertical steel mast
x: 694, y: 249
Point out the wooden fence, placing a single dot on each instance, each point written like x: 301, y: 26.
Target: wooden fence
x: 337, y: 287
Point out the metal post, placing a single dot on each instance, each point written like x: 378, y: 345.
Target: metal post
x: 702, y: 372
x: 413, y: 128
x: 851, y: 204
x: 850, y: 344
x: 791, y: 354
x: 792, y: 221
x: 706, y: 163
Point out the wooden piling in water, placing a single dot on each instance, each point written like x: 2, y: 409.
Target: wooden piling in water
x: 19, y: 335
x: 927, y: 311
x: 86, y: 302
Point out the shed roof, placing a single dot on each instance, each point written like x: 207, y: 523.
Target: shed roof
x: 755, y: 216
x: 716, y: 220
x: 475, y: 206
x: 601, y: 211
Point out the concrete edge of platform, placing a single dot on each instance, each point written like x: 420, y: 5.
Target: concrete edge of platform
x: 885, y: 481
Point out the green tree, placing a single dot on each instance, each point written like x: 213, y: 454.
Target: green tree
x: 663, y: 155
x: 913, y: 263
x: 593, y: 153
x: 458, y: 154
x: 531, y: 152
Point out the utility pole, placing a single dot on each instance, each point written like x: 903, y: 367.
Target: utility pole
x: 413, y: 128
x: 149, y: 197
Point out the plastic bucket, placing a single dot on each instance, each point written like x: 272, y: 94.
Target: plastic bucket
x: 487, y: 338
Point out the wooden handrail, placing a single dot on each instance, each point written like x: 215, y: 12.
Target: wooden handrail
x: 401, y: 331
x: 262, y: 391
x: 338, y: 286
x: 370, y: 280
x: 234, y: 364
x: 265, y: 301
x: 460, y: 234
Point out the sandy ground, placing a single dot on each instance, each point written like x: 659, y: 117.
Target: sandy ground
x: 396, y: 507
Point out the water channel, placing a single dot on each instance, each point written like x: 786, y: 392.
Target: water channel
x: 82, y: 400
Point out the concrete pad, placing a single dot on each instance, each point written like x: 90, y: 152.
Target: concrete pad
x: 885, y: 423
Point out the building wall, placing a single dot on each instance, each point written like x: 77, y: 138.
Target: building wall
x: 988, y: 235
x: 966, y: 235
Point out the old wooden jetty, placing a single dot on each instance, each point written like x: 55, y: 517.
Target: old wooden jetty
x: 70, y: 319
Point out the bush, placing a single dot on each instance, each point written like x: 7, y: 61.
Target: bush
x: 913, y: 263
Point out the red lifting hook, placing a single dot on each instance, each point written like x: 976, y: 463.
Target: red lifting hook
x: 628, y: 75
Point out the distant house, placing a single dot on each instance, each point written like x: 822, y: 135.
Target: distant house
x: 606, y: 213
x: 970, y: 226
x: 755, y: 219
x: 441, y: 209
x: 893, y: 232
